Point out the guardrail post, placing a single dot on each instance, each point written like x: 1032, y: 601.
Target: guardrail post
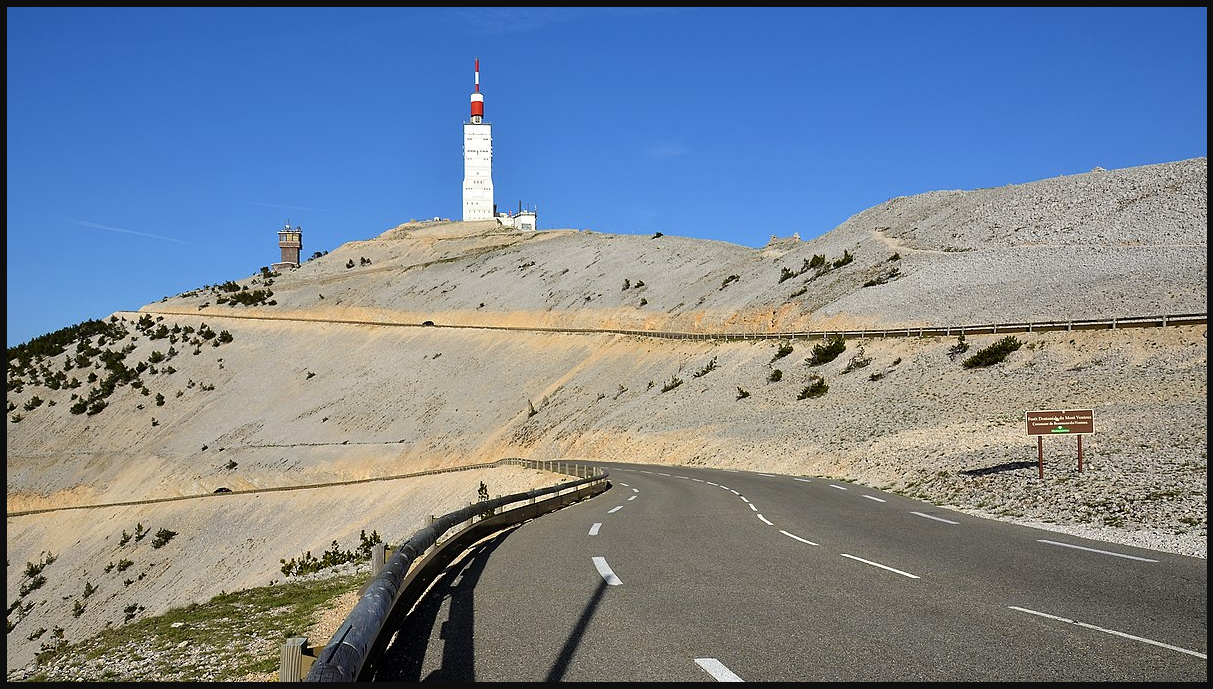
x: 291, y: 667
x: 378, y: 557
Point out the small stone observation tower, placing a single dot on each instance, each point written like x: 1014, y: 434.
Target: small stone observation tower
x: 290, y: 241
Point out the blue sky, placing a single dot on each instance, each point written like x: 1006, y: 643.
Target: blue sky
x: 153, y: 151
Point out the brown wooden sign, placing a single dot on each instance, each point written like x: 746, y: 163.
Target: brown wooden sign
x: 1066, y: 422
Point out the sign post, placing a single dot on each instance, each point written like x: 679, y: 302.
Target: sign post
x: 1077, y: 422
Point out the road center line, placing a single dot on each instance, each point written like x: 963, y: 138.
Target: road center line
x: 873, y: 497
x: 711, y: 484
x: 613, y: 510
x: 764, y: 519
x: 717, y: 670
x: 684, y: 477
x: 798, y: 538
x: 752, y: 507
x: 635, y: 490
x: 801, y: 479
x: 938, y: 519
x: 605, y: 570
x: 1092, y: 550
x: 594, y: 529
x: 1111, y: 631
x: 743, y: 498
x: 633, y: 497
x: 877, y: 564
x: 832, y: 485
x: 767, y: 475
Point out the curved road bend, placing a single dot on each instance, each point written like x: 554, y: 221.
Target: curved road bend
x: 686, y: 574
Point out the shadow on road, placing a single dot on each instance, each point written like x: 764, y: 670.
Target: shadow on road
x: 455, y: 589
x: 403, y: 658
x: 561, y: 665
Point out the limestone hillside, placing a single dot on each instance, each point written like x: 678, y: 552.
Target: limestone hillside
x: 326, y: 372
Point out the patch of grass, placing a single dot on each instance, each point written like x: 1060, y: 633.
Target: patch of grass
x: 671, y: 384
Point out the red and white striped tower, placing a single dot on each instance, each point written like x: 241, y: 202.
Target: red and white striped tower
x: 477, y: 160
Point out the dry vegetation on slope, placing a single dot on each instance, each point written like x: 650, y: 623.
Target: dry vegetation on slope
x: 291, y: 402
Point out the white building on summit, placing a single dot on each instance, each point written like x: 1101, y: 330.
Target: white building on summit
x: 478, y: 201
x: 477, y: 160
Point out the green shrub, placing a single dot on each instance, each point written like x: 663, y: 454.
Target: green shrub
x: 846, y: 258
x: 711, y: 366
x: 857, y: 362
x: 827, y: 351
x: 671, y: 384
x: 775, y: 377
x: 163, y: 536
x: 32, y: 585
x: 33, y: 570
x: 786, y: 273
x: 742, y: 394
x: 959, y: 348
x: 816, y: 388
x: 784, y: 350
x: 994, y: 353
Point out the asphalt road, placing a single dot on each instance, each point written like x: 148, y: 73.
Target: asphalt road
x: 686, y: 574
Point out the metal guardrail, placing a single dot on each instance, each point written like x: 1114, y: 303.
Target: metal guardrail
x: 350, y: 653
x: 990, y: 328
x: 272, y: 489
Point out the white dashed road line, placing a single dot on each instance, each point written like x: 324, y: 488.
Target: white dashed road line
x: 1092, y: 550
x: 877, y: 564
x: 798, y: 538
x: 633, y: 497
x: 605, y: 570
x: 801, y: 479
x: 613, y: 510
x: 873, y: 497
x: 764, y: 519
x: 938, y: 519
x: 594, y: 529
x: 833, y: 485
x: 1112, y: 631
x: 717, y: 670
